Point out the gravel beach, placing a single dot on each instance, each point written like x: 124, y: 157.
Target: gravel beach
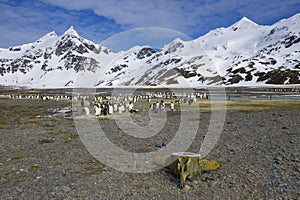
x: 42, y: 156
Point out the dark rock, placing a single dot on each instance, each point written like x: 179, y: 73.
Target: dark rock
x: 145, y: 52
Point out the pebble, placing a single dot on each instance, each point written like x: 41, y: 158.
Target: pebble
x: 187, y: 187
x: 65, y: 189
x: 279, y: 158
x: 20, y: 190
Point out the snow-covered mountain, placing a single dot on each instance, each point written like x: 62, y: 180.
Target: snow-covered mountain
x: 244, y: 53
x: 248, y: 54
x: 179, y: 63
x: 52, y: 61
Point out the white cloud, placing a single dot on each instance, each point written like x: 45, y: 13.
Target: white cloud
x: 182, y: 16
x: 149, y: 36
x: 186, y: 16
x: 25, y: 21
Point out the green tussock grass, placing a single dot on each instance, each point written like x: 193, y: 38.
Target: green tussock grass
x: 263, y: 104
x: 228, y: 104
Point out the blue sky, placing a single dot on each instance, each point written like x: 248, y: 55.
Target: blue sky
x: 24, y: 21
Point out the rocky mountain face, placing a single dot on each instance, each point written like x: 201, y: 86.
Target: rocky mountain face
x: 247, y: 53
x: 51, y: 61
x: 243, y: 54
x: 178, y: 63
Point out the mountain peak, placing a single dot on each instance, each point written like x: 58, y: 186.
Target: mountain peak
x: 244, y: 23
x: 71, y: 31
x: 246, y: 19
x: 49, y: 35
x: 176, y: 41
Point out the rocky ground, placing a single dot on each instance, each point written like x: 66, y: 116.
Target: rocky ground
x: 42, y: 156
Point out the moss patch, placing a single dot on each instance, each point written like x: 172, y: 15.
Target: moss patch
x: 32, y: 168
x: 45, y: 141
x: 16, y: 158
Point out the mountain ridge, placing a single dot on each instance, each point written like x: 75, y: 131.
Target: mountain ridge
x: 242, y: 54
